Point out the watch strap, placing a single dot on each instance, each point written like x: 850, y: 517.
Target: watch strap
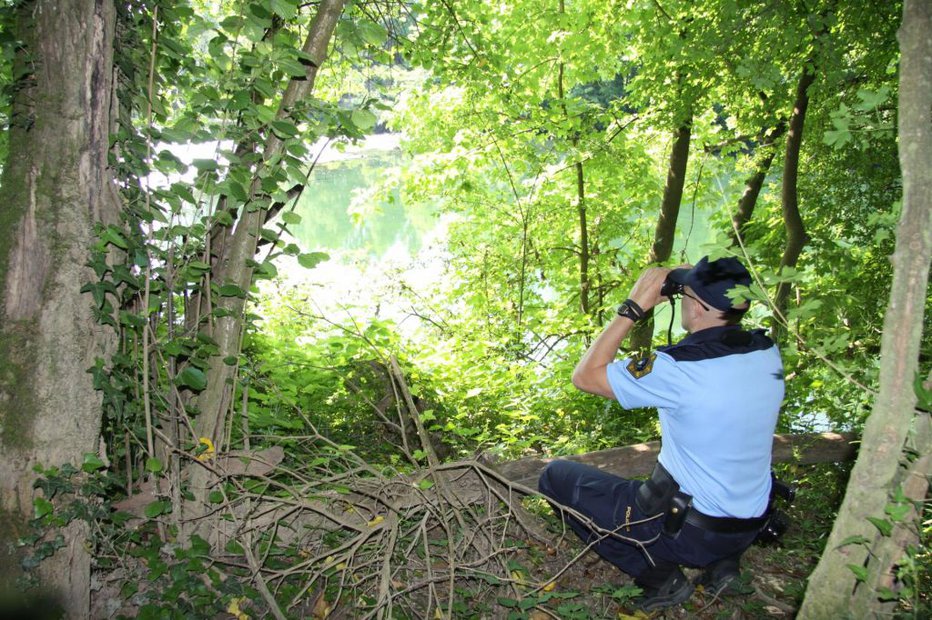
x: 631, y: 310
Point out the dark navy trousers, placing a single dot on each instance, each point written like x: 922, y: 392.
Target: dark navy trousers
x: 636, y: 545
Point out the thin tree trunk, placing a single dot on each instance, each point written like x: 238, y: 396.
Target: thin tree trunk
x: 232, y: 268
x: 878, y: 470
x: 240, y: 241
x: 753, y: 186
x: 585, y: 286
x: 665, y: 232
x: 584, y: 252
x: 56, y: 186
x: 796, y: 237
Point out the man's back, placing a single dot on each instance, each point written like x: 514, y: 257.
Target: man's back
x: 717, y: 438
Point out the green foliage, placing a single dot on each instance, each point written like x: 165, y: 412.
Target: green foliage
x: 158, y: 577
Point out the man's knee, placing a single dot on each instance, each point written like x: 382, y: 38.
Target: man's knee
x: 558, y: 480
x: 545, y: 482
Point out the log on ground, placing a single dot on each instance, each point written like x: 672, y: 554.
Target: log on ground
x: 638, y: 460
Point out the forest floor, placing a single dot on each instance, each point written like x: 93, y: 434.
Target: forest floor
x: 773, y: 577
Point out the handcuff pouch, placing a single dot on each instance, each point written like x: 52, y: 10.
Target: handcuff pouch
x: 661, y: 494
x: 676, y: 513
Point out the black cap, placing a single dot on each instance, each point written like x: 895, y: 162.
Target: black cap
x: 711, y: 281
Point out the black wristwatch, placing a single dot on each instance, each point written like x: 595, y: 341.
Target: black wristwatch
x: 631, y: 310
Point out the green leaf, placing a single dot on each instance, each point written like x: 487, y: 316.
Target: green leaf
x: 231, y: 290
x: 898, y: 512
x: 215, y: 497
x: 884, y: 526
x: 859, y: 571
x: 114, y: 236
x: 128, y: 589
x: 157, y: 508
x: 193, y: 378
x: 284, y: 129
x: 871, y: 99
x: 205, y: 165
x: 363, y: 119
x: 284, y: 8
x: 266, y: 269
x: 42, y: 507
x: 292, y: 67
x: 237, y: 190
x: 153, y: 465
x: 291, y: 217
x: 372, y: 33
x: 923, y: 395
x: 199, y: 267
x: 232, y: 23
x: 234, y: 547
x: 836, y: 138
x: 92, y: 463
x: 854, y: 540
x: 224, y: 217
x: 312, y: 259
x: 425, y: 484
x: 199, y: 546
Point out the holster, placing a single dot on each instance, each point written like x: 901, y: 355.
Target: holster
x: 661, y: 494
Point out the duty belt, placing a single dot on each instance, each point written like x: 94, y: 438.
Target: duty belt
x: 661, y: 494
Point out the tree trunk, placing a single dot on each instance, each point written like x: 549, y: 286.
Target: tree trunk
x: 55, y: 188
x: 878, y: 471
x: 753, y: 186
x: 239, y: 245
x: 796, y: 236
x: 664, y: 234
x: 585, y: 285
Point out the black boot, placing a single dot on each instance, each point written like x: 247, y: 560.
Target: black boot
x: 723, y: 577
x: 672, y: 590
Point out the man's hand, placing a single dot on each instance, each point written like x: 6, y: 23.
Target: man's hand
x: 646, y: 291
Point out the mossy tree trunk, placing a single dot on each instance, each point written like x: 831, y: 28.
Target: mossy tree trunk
x: 889, y: 459
x: 55, y: 188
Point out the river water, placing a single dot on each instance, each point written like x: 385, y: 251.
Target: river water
x: 352, y: 211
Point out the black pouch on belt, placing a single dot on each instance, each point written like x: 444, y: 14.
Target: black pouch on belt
x: 654, y: 495
x: 661, y: 494
x: 676, y: 513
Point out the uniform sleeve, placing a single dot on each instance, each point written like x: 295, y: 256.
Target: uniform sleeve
x: 650, y: 382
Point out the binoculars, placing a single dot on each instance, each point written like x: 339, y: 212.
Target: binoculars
x: 669, y: 288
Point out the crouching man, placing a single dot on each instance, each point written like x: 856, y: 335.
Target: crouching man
x: 718, y: 393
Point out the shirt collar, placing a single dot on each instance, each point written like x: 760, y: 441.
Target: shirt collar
x: 709, y: 334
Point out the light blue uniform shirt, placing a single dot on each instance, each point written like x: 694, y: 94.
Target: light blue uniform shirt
x: 718, y: 393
